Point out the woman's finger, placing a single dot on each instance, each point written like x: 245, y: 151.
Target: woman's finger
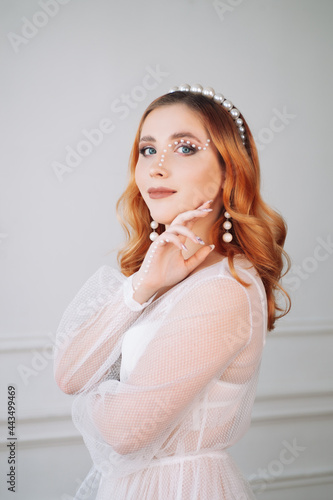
x: 165, y: 238
x: 190, y: 214
x: 183, y: 230
x: 197, y: 258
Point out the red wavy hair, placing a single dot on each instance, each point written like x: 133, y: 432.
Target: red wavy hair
x: 259, y: 232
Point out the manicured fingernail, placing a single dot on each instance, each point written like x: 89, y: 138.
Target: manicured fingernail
x: 184, y: 247
x: 212, y: 247
x: 206, y: 209
x: 209, y: 201
x: 200, y: 240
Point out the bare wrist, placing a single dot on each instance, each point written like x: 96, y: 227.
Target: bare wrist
x: 141, y: 292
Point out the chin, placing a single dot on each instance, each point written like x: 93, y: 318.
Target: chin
x: 162, y: 220
x: 164, y: 216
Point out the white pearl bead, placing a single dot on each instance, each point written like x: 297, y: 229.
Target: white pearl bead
x: 153, y: 236
x: 196, y: 88
x: 160, y: 164
x: 234, y: 113
x: 227, y: 104
x: 241, y: 129
x: 208, y: 92
x: 227, y: 215
x: 227, y: 224
x: 219, y: 98
x: 154, y: 224
x: 227, y: 237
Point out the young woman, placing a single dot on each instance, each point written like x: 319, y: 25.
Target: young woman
x: 164, y: 356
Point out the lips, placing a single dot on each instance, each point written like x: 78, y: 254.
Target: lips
x: 160, y: 190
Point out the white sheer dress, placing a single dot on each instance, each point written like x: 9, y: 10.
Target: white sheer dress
x: 163, y: 388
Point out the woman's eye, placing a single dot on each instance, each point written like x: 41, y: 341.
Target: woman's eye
x: 148, y: 151
x: 186, y: 150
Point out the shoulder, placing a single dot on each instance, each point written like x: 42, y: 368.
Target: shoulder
x: 216, y: 288
x: 213, y: 287
x: 220, y: 275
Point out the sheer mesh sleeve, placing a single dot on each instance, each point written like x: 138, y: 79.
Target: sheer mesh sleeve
x: 88, y: 339
x: 125, y: 423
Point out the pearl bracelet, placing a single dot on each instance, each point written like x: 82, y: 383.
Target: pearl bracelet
x: 150, y: 257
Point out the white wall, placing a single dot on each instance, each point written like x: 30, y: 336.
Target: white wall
x: 65, y: 76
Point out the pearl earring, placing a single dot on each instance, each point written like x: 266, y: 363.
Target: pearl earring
x: 154, y: 234
x: 227, y: 237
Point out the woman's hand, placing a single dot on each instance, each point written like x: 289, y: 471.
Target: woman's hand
x: 164, y: 261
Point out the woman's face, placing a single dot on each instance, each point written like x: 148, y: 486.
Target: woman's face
x: 167, y: 160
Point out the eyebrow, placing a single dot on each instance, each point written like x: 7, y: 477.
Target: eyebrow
x: 177, y: 135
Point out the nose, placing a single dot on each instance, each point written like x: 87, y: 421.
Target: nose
x: 158, y: 169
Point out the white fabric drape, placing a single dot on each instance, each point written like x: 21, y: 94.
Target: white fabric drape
x: 164, y: 388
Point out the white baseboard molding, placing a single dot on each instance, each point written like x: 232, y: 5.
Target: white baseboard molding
x: 51, y: 428
x: 47, y: 430
x: 298, y: 327
x: 25, y: 342
x: 290, y: 406
x: 293, y: 480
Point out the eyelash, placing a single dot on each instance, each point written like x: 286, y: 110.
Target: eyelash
x: 192, y: 150
x: 142, y: 150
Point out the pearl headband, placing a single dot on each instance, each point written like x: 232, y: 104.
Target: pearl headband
x: 219, y: 99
